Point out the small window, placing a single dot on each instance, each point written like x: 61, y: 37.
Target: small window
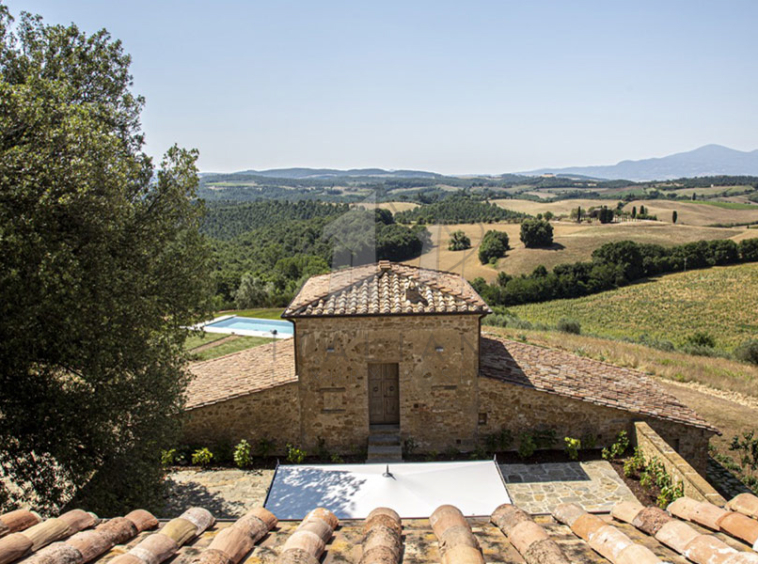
x: 482, y: 419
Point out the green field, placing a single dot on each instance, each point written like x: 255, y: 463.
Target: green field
x: 200, y: 338
x: 227, y: 347
x: 722, y: 301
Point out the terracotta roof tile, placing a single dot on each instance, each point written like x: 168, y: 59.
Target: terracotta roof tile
x: 241, y: 373
x: 385, y: 289
x: 565, y: 374
x: 509, y: 535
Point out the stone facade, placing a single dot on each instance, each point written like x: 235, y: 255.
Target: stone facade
x: 438, y: 362
x: 273, y: 413
x: 519, y: 409
x: 362, y: 332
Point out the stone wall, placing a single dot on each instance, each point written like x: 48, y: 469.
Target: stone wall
x: 272, y: 413
x: 653, y: 445
x: 438, y: 377
x: 520, y: 409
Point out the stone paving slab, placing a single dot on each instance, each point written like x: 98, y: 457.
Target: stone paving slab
x: 538, y: 488
x: 227, y: 493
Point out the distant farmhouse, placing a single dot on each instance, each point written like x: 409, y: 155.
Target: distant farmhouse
x: 397, y: 352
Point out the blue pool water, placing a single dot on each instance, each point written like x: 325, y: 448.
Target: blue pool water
x: 252, y: 324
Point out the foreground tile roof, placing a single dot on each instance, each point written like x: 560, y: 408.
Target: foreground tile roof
x: 385, y: 289
x: 689, y: 531
x: 241, y: 373
x: 565, y: 374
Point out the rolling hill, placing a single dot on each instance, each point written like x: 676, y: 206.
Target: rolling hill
x: 709, y: 160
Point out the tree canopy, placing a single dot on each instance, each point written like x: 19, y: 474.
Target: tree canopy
x: 101, y: 265
x: 536, y: 233
x: 494, y: 246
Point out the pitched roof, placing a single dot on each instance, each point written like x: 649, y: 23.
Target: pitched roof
x: 385, y: 288
x: 565, y: 374
x: 241, y: 373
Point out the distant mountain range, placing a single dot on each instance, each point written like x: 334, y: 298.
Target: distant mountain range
x: 326, y: 173
x: 710, y: 160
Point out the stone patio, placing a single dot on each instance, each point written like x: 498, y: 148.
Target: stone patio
x: 538, y: 488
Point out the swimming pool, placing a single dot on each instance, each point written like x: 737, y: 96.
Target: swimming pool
x: 250, y: 326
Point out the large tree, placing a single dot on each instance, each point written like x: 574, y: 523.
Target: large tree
x: 101, y: 265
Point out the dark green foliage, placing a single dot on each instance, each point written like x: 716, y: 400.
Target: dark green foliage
x: 459, y: 241
x: 618, y: 448
x: 605, y: 215
x: 458, y: 208
x: 101, y: 264
x: 569, y: 326
x: 280, y: 256
x: 674, y: 216
x: 748, y: 351
x: 613, y: 265
x: 494, y: 246
x: 748, y: 249
x: 526, y: 445
x: 701, y: 339
x: 226, y: 221
x: 536, y: 233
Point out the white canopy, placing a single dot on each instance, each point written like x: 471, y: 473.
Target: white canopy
x: 412, y: 489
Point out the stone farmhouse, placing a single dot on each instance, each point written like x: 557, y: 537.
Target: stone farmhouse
x: 398, y: 353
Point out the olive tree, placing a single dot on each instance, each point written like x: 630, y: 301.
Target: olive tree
x: 101, y: 267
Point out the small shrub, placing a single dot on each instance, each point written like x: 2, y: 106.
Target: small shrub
x: 498, y: 442
x: 748, y: 351
x: 168, y: 457
x: 618, y: 448
x: 459, y: 241
x: 634, y: 464
x: 572, y: 447
x: 569, y: 326
x: 321, y: 451
x: 336, y: 459
x: 264, y: 447
x: 242, y: 456
x: 202, y: 457
x: 431, y: 456
x: 545, y: 438
x: 295, y: 455
x: 589, y: 440
x: 409, y: 446
x: 526, y: 445
x: 701, y: 339
x: 479, y: 453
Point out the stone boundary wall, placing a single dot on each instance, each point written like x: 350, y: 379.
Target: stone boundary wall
x: 266, y: 414
x: 653, y: 446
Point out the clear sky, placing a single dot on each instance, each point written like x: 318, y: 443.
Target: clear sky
x: 452, y: 87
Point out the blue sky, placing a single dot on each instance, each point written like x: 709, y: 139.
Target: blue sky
x: 453, y: 87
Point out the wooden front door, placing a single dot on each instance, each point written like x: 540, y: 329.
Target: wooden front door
x: 383, y: 394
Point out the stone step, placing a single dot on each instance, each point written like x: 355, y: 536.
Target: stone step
x: 384, y: 439
x: 384, y: 429
x: 385, y: 453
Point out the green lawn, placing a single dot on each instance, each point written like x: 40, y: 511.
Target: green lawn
x: 199, y: 338
x: 266, y: 313
x: 234, y: 345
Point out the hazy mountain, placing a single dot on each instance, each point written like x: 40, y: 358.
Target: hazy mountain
x: 324, y: 173
x: 710, y: 160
